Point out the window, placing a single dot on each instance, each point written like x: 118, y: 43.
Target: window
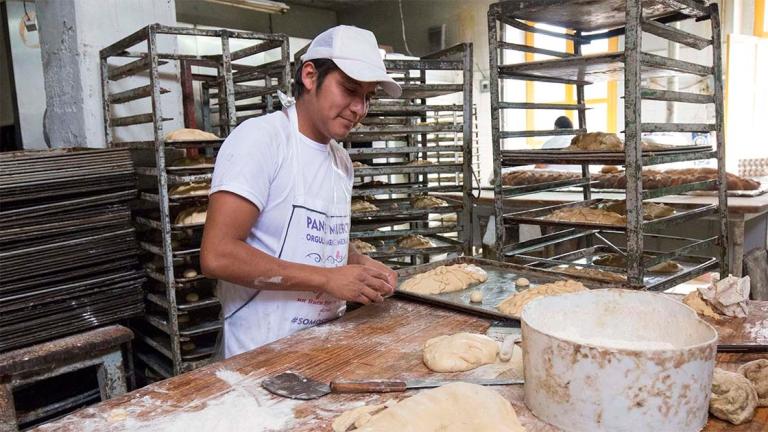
x: 761, y: 19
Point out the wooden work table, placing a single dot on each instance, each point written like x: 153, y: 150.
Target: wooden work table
x: 377, y: 341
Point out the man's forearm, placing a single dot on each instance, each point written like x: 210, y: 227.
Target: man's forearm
x: 237, y: 262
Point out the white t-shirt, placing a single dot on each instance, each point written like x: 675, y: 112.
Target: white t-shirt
x: 255, y: 162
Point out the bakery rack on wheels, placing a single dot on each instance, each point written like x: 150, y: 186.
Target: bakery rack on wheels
x: 183, y: 321
x: 419, y: 144
x: 585, y: 21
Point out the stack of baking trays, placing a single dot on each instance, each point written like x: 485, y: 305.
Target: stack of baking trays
x: 239, y: 74
x: 408, y: 151
x: 68, y: 254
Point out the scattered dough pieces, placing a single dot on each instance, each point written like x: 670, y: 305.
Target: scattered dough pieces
x: 190, y: 189
x: 757, y: 372
x: 734, y: 399
x: 694, y: 301
x: 425, y: 202
x: 414, y: 241
x: 592, y: 273
x: 360, y: 206
x: 191, y: 216
x: 514, y: 304
x: 445, y: 279
x: 186, y: 134
x: 588, y: 215
x: 476, y: 296
x: 419, y: 162
x: 522, y: 283
x: 362, y: 247
x: 455, y: 407
x: 459, y: 352
x: 596, y: 141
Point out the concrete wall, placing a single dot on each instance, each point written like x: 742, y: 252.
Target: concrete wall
x: 7, y: 116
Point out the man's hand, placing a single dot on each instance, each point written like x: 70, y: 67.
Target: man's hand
x: 372, y: 263
x: 357, y: 283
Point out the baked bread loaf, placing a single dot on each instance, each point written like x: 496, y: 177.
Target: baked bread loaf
x: 589, y: 215
x: 414, y: 241
x: 523, y: 178
x: 596, y: 141
x: 186, y: 134
x: 362, y: 206
x: 654, y: 179
x: 425, y: 202
x: 191, y: 216
x: 362, y: 246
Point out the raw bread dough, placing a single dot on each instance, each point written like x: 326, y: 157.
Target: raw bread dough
x: 360, y: 206
x: 734, y: 399
x: 445, y: 279
x: 459, y: 352
x: 190, y: 189
x: 354, y: 416
x: 590, y: 215
x: 757, y: 372
x: 358, y: 164
x: 419, y: 162
x: 455, y: 407
x: 192, y: 297
x: 186, y: 134
x: 191, y: 216
x: 522, y: 283
x: 188, y: 346
x: 414, y: 241
x: 189, y: 273
x: 616, y: 260
x: 592, y: 273
x: 596, y: 141
x: 362, y: 247
x: 514, y: 304
x: 194, y: 162
x: 425, y: 202
x: 476, y: 296
x: 694, y: 301
x: 651, y: 211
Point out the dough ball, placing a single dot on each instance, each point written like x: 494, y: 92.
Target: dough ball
x: 459, y: 352
x: 192, y: 297
x: 734, y: 399
x: 183, y: 319
x: 188, y: 346
x: 455, y: 407
x: 476, y: 296
x: 757, y: 372
x: 522, y: 283
x: 189, y: 273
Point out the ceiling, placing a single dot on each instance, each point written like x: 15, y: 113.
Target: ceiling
x: 336, y: 5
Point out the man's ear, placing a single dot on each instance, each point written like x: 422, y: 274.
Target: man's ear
x: 309, y: 75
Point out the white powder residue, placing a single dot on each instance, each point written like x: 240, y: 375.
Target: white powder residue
x: 619, y: 343
x: 229, y: 377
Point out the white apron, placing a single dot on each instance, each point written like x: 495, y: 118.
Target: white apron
x: 317, y: 234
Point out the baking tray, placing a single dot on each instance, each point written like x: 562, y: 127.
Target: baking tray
x: 499, y: 286
x: 683, y: 212
x: 442, y: 245
x: 692, y: 266
x: 511, y: 158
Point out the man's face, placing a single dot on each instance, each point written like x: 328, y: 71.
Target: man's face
x: 339, y: 104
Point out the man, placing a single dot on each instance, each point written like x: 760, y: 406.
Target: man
x: 558, y: 142
x: 277, y: 229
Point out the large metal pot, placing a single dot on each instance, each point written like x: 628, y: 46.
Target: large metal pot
x: 617, y: 360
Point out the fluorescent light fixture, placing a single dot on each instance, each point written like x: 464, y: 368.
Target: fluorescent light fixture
x: 267, y: 6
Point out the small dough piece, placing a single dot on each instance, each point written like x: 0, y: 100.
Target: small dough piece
x: 425, y: 202
x: 514, y: 304
x: 419, y: 162
x: 354, y: 416
x: 189, y: 273
x: 188, y: 346
x: 183, y: 319
x: 191, y: 216
x: 522, y: 283
x: 596, y: 141
x: 186, y: 134
x: 361, y: 206
x: 757, y: 372
x: 445, y: 279
x: 358, y: 164
x: 459, y: 352
x: 414, y: 241
x: 695, y: 301
x: 190, y: 189
x: 361, y: 246
x: 734, y: 399
x: 589, y: 215
x: 476, y: 296
x: 192, y: 297
x: 455, y: 407
x: 592, y: 273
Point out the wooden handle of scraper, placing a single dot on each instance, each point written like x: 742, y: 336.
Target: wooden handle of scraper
x: 378, y: 386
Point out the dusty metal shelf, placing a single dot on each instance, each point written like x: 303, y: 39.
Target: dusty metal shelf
x: 512, y: 158
x: 405, y: 169
x: 373, y: 152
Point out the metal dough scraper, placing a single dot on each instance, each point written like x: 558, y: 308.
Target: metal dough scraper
x: 295, y: 386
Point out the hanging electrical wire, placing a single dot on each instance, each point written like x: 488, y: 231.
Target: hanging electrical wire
x: 402, y: 26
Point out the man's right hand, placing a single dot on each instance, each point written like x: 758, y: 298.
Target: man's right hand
x: 357, y: 283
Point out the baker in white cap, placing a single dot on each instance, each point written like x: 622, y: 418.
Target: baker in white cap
x: 277, y: 230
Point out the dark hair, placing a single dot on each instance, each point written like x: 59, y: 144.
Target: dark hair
x: 563, y: 122
x: 323, y: 68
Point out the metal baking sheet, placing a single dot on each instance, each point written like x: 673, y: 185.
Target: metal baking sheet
x: 512, y: 158
x: 682, y: 213
x: 499, y: 286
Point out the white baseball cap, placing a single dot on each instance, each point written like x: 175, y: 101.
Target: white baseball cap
x: 356, y: 52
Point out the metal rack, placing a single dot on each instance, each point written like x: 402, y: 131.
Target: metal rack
x: 417, y: 127
x: 179, y: 331
x: 586, y: 21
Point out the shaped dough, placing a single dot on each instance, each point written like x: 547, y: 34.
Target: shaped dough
x: 186, y: 134
x: 596, y: 141
x: 456, y: 407
x: 360, y: 206
x: 362, y: 247
x: 734, y: 399
x: 191, y: 216
x: 616, y: 260
x: 459, y: 352
x: 445, y: 279
x: 590, y: 215
x: 757, y: 372
x: 592, y: 273
x: 414, y: 241
x: 476, y: 296
x: 425, y: 202
x: 343, y: 422
x: 190, y: 189
x: 514, y: 304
